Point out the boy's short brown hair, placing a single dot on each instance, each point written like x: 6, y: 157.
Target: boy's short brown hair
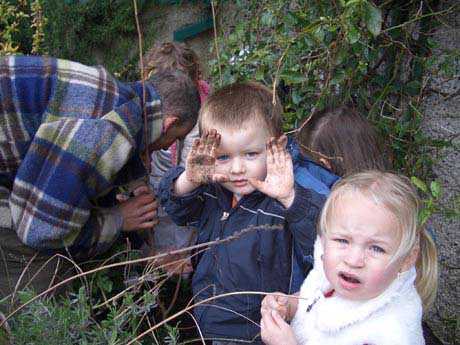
x: 237, y: 103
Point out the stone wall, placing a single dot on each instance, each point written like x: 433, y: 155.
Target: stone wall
x: 442, y: 121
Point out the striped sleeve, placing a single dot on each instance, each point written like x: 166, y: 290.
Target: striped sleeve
x: 69, y: 164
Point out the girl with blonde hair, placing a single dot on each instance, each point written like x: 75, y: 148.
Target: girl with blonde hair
x: 375, y: 268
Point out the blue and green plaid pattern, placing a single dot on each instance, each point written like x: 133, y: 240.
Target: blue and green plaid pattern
x: 69, y: 133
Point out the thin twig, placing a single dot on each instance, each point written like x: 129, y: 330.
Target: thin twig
x: 197, y: 327
x: 275, y: 80
x: 215, y: 41
x: 149, y: 232
x: 217, y: 241
x: 418, y: 18
x: 205, y: 301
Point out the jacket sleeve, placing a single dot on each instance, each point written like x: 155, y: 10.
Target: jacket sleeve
x: 183, y: 210
x: 302, y: 217
x: 70, y: 163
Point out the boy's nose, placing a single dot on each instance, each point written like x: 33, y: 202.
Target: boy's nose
x: 355, y: 257
x: 237, y: 166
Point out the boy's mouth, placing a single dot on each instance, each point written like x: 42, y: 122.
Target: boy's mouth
x: 239, y: 183
x: 349, y: 281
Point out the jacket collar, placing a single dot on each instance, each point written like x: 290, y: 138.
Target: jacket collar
x: 224, y: 198
x: 318, y: 171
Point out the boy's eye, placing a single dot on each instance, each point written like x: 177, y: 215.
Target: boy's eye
x: 378, y: 249
x: 222, y: 158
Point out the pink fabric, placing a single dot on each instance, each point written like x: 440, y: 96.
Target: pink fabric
x: 203, y: 90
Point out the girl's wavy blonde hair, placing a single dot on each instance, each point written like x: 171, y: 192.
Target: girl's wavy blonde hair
x: 397, y: 195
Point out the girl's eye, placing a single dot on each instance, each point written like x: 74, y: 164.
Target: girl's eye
x: 377, y: 249
x: 222, y: 158
x: 341, y: 240
x: 251, y: 154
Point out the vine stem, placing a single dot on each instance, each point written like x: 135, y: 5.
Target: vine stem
x: 215, y: 41
x: 418, y: 18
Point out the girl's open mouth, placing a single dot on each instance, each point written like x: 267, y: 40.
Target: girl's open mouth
x: 349, y: 281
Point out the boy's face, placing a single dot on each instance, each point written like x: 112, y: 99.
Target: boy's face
x: 241, y: 155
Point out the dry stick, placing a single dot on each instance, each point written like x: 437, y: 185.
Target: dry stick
x: 421, y: 17
x: 41, y: 269
x: 159, y: 285
x: 275, y: 80
x: 176, y: 293
x: 197, y: 327
x: 179, y: 313
x: 150, y: 239
x: 141, y: 280
x: 217, y: 241
x: 215, y: 41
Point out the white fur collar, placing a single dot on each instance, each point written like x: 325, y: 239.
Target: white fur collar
x: 335, y: 313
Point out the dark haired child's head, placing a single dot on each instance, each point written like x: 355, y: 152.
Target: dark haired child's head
x: 343, y: 141
x: 245, y: 117
x: 180, y: 104
x: 172, y: 56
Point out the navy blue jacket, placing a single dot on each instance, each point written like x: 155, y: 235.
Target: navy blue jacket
x: 258, y: 261
x: 312, y: 176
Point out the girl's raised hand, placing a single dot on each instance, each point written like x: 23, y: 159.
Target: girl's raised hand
x: 274, y: 330
x: 279, y: 182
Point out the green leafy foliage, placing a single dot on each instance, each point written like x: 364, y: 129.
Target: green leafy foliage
x: 327, y: 53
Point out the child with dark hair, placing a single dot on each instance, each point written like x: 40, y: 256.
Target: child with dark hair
x: 343, y: 141
x: 238, y: 175
x: 174, y: 56
x: 332, y: 143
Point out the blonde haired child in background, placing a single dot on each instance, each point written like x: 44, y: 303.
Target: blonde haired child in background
x: 374, y: 267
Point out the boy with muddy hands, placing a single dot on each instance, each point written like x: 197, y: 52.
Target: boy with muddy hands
x: 239, y: 175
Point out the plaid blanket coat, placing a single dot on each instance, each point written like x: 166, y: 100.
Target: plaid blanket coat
x: 69, y: 134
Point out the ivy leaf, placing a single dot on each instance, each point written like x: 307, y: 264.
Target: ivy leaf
x: 353, y: 35
x: 373, y: 18
x: 424, y: 214
x: 296, y: 97
x: 435, y: 188
x: 293, y: 77
x: 413, y: 88
x: 419, y: 184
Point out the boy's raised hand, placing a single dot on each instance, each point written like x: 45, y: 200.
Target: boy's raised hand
x: 200, y: 165
x: 279, y: 182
